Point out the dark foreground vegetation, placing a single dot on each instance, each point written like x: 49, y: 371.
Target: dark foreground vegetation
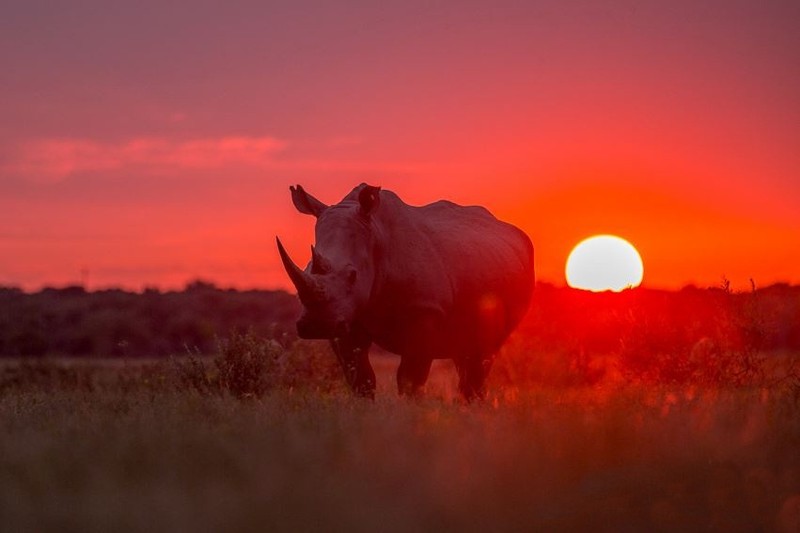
x: 640, y: 411
x: 261, y: 438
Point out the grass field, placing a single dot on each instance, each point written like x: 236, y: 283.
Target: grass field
x: 111, y: 446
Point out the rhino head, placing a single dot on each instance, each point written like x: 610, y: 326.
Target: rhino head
x: 335, y: 286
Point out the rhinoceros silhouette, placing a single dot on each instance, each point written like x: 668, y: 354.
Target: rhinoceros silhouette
x: 439, y: 281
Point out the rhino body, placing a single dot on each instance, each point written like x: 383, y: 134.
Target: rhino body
x: 428, y: 282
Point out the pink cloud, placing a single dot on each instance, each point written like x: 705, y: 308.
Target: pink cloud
x: 56, y: 159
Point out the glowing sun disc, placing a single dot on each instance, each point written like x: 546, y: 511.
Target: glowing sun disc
x: 603, y: 263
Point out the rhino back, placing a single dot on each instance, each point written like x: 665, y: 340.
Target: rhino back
x: 477, y: 247
x: 456, y: 261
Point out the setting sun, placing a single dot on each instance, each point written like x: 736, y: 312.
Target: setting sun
x: 604, y: 262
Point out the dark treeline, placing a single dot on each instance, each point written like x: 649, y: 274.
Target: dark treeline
x: 74, y: 322
x: 767, y: 318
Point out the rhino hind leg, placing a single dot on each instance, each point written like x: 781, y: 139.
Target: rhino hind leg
x: 353, y: 356
x: 412, y: 375
x: 472, y: 373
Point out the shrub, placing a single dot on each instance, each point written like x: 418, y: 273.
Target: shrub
x: 728, y: 351
x: 249, y: 366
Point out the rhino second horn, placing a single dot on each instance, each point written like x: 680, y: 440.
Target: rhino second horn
x: 300, y: 279
x: 319, y: 265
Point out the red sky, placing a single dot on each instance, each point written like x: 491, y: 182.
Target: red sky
x: 151, y: 144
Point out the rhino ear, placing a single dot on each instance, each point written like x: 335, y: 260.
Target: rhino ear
x: 369, y: 198
x: 305, y: 203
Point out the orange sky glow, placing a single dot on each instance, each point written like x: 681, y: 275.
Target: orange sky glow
x: 148, y: 145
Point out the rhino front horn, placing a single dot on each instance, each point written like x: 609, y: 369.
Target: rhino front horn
x: 299, y: 278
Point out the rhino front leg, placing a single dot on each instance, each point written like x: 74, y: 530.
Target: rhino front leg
x: 412, y: 375
x: 353, y: 355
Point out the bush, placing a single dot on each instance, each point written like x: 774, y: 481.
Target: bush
x: 249, y: 366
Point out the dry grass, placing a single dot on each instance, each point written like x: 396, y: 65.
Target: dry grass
x: 90, y: 446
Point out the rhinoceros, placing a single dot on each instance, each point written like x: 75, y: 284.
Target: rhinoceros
x: 439, y: 281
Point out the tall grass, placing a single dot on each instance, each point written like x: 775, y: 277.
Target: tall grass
x: 263, y: 446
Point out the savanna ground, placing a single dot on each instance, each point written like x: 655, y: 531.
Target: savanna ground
x: 263, y: 438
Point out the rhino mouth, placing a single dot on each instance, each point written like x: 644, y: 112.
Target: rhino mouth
x: 308, y: 328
